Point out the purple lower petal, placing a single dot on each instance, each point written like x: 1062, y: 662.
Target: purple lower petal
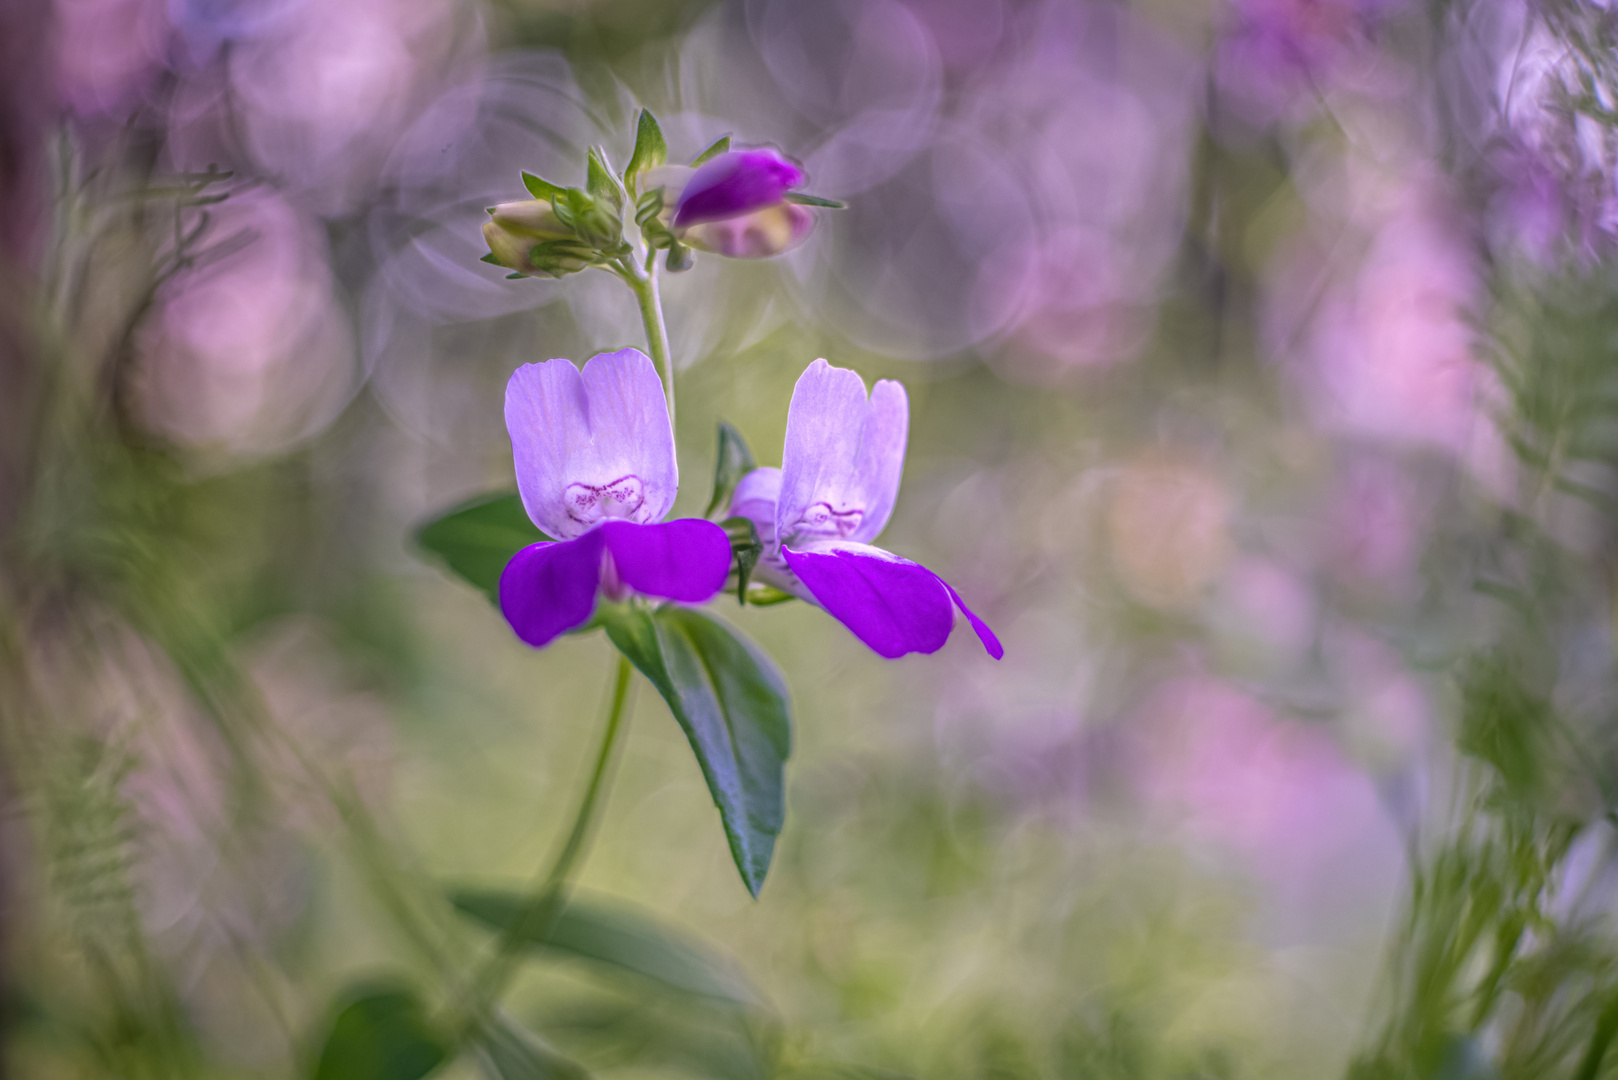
x: 549, y: 589
x: 985, y: 635
x: 893, y: 605
x: 685, y: 560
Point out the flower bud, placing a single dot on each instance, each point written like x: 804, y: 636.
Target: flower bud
x: 535, y: 217
x: 735, y: 205
x: 734, y: 183
x: 517, y: 232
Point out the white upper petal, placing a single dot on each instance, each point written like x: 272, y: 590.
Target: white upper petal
x: 843, y: 457
x: 593, y: 444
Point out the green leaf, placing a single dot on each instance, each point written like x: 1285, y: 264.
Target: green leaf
x: 477, y: 538
x: 803, y: 199
x: 650, y: 149
x: 541, y: 189
x: 719, y: 147
x: 732, y: 461
x: 599, y: 181
x: 732, y: 702
x: 381, y: 1034
x: 616, y: 936
x: 745, y: 548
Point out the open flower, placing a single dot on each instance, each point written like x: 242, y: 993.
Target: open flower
x: 835, y: 490
x: 596, y: 470
x: 735, y: 204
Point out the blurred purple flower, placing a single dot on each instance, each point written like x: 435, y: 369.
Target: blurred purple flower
x: 595, y: 466
x: 735, y: 204
x: 1556, y: 161
x: 1276, y: 48
x: 834, y: 492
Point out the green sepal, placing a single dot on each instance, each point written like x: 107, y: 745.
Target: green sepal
x: 720, y: 146
x: 489, y: 258
x: 803, y: 199
x: 597, y: 223
x: 745, y: 548
x: 476, y: 539
x: 732, y: 461
x: 560, y: 257
x: 540, y: 188
x: 679, y: 259
x: 650, y: 149
x: 732, y: 703
x: 648, y: 215
x: 616, y: 937
x: 761, y: 595
x: 382, y: 1033
x: 514, y: 276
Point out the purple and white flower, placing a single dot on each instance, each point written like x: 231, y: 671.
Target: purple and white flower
x: 734, y: 204
x: 834, y: 492
x: 596, y: 470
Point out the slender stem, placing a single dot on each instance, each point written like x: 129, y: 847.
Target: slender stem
x: 657, y: 334
x: 538, y: 917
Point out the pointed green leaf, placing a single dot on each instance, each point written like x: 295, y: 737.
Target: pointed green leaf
x: 803, y: 199
x: 599, y: 181
x: 745, y: 548
x: 732, y: 703
x: 650, y: 149
x: 732, y: 461
x: 539, y: 188
x: 720, y: 146
x: 477, y: 538
x: 616, y: 936
x: 381, y: 1034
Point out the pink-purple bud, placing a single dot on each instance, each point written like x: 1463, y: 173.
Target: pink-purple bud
x: 735, y: 183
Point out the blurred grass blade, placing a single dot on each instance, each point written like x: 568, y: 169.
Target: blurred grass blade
x: 732, y: 703
x: 618, y: 937
x: 511, y: 1052
x: 476, y: 539
x: 381, y: 1034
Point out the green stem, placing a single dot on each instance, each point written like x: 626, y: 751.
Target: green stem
x: 539, y: 915
x: 644, y: 286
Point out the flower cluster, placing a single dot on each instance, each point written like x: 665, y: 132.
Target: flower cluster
x: 596, y: 470
x: 743, y: 204
x: 597, y: 474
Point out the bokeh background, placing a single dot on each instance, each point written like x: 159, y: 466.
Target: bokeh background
x: 1261, y: 361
